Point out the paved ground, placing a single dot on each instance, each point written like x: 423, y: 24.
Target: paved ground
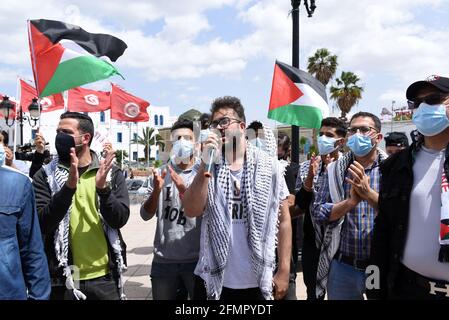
x: 139, y: 236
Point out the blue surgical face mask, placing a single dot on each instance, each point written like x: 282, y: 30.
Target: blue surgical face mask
x: 326, y: 145
x: 430, y: 120
x: 359, y: 144
x: 182, y: 149
x: 2, y: 155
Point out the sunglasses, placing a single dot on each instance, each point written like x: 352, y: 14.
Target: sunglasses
x: 432, y: 99
x: 363, y: 130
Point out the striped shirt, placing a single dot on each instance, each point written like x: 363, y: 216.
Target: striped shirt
x: 357, y: 228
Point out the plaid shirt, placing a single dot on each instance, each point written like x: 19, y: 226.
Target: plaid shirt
x: 357, y: 229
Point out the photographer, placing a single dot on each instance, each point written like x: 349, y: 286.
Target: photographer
x: 40, y: 156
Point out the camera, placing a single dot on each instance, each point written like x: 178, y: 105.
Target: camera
x: 25, y: 152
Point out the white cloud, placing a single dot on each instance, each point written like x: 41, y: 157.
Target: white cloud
x: 374, y: 39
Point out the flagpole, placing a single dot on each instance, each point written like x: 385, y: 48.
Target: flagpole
x: 66, y: 100
x: 36, y: 81
x: 295, y: 63
x: 15, y: 122
x: 129, y: 147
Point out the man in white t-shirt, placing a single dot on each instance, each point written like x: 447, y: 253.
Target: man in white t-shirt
x: 411, y: 233
x: 240, y: 204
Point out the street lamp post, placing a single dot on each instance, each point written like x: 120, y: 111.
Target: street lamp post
x: 310, y: 8
x: 6, y: 107
x: 392, y: 114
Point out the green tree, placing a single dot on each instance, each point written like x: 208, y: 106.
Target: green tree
x: 119, y: 154
x: 322, y: 65
x: 347, y: 92
x: 147, y: 140
x: 191, y: 115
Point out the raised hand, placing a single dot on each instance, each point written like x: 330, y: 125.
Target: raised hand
x: 177, y: 179
x: 73, y: 171
x: 9, y: 157
x: 105, y: 167
x: 158, y: 180
x: 39, y: 141
x: 212, y: 142
x: 313, y: 171
x: 360, y: 181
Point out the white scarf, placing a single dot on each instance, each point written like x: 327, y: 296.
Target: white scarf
x: 261, y: 185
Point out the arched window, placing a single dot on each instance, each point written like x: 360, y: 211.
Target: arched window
x: 155, y: 120
x: 161, y: 120
x: 102, y: 116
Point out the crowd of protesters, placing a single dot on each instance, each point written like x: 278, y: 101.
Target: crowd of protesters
x: 227, y: 205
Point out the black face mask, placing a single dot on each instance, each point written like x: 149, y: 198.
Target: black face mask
x: 63, y: 143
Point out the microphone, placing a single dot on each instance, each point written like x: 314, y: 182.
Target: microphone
x: 208, y: 172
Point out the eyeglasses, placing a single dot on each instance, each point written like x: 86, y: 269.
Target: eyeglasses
x: 223, y: 122
x: 432, y: 99
x: 363, y: 130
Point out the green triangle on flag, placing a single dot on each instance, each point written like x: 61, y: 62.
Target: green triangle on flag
x: 65, y: 56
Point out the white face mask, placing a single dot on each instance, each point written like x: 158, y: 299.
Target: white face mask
x: 182, y: 149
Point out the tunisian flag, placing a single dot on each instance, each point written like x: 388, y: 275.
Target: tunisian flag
x: 126, y: 107
x: 50, y: 103
x: 87, y: 100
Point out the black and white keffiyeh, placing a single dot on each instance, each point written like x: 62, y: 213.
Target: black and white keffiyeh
x: 56, y: 178
x: 261, y: 186
x: 336, y: 172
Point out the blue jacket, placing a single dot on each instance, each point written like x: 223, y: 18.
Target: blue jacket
x: 23, y: 264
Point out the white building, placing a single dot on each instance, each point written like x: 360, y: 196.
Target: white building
x: 119, y: 133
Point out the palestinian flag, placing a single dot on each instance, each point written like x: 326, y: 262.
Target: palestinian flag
x: 297, y: 98
x: 64, y: 56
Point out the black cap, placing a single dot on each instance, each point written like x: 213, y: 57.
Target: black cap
x: 396, y: 139
x: 440, y: 83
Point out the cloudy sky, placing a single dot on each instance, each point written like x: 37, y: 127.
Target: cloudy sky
x: 183, y: 54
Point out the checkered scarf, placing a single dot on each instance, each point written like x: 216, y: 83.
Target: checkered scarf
x: 336, y: 172
x: 56, y: 178
x: 261, y: 186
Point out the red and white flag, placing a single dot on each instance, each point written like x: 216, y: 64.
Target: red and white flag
x: 50, y: 103
x: 87, y: 100
x: 126, y: 107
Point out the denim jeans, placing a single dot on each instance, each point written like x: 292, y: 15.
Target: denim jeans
x: 227, y: 293
x: 102, y: 288
x: 167, y: 279
x: 345, y: 282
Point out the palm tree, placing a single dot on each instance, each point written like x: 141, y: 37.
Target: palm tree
x: 347, y: 93
x: 147, y: 140
x: 322, y: 65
